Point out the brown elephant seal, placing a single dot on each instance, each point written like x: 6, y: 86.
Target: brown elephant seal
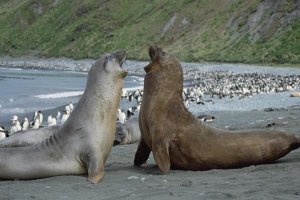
x: 178, y: 139
x: 83, y: 143
x: 128, y: 132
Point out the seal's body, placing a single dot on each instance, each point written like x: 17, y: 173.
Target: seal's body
x: 83, y: 143
x: 29, y: 137
x: 128, y: 132
x: 179, y: 139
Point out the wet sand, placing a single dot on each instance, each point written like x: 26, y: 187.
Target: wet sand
x: 280, y: 180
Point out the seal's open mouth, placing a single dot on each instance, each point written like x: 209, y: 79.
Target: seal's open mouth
x: 122, y: 61
x: 121, y: 56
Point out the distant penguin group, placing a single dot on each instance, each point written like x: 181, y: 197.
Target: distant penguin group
x: 36, y: 122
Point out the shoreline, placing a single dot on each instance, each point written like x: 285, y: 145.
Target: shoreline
x: 33, y: 57
x: 83, y: 65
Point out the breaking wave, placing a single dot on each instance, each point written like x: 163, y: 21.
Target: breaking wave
x: 59, y: 95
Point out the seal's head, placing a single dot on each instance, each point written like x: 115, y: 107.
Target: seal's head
x: 121, y: 132
x: 113, y: 62
x: 162, y: 61
x: 110, y: 64
x: 164, y: 68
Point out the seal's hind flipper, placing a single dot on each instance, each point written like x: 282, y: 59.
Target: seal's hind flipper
x: 142, y: 153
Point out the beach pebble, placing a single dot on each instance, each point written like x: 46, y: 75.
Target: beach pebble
x: 132, y: 178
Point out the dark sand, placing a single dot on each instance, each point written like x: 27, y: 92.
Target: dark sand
x: 280, y: 180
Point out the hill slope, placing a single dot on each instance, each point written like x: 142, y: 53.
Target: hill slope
x: 256, y: 31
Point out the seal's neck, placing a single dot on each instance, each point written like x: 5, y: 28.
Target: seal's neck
x: 164, y: 92
x: 164, y: 85
x: 100, y: 99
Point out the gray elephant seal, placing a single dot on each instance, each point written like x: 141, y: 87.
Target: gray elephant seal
x: 29, y: 137
x: 128, y: 132
x: 83, y: 143
x: 178, y: 139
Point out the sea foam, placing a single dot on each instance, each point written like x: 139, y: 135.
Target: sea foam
x: 59, y: 95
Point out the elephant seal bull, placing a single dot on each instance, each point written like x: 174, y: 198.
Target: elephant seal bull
x: 82, y: 144
x: 178, y: 139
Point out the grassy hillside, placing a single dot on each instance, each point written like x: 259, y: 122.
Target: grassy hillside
x: 256, y: 31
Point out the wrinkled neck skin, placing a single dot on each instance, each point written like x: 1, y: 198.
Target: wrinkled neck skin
x: 163, y: 91
x: 99, y: 102
x: 106, y: 88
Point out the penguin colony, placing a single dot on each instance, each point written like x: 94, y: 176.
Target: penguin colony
x: 203, y: 88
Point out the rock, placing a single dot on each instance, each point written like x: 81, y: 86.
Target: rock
x: 269, y: 109
x: 132, y: 178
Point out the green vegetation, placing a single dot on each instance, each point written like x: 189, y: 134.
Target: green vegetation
x: 199, y: 30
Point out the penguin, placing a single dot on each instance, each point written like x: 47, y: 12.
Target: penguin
x: 65, y: 116
x: 71, y: 106
x: 25, y: 124
x: 36, y: 124
x: 16, y: 126
x: 122, y: 116
x: 51, y: 121
x: 3, y: 134
x: 58, y: 117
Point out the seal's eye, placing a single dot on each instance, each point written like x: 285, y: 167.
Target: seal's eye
x: 109, y: 57
x: 106, y: 60
x: 163, y: 53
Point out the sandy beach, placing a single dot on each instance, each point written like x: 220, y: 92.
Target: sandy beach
x: 279, y: 180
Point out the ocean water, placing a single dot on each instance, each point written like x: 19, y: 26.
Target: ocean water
x: 27, y: 90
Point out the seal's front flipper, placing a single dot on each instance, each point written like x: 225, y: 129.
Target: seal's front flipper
x: 95, y: 170
x: 161, y: 155
x: 142, y: 153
